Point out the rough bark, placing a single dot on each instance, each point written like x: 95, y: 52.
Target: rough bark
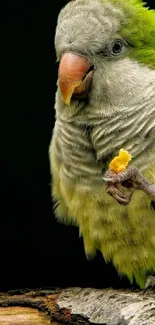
x: 77, y: 306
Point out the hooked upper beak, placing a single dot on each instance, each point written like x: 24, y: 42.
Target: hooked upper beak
x: 74, y: 76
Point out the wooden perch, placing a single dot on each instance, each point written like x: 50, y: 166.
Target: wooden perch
x: 76, y: 306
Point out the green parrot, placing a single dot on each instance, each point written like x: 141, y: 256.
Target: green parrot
x: 105, y: 101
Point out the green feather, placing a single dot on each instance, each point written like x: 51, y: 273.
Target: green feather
x: 138, y: 28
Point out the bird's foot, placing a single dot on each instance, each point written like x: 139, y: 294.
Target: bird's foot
x: 116, y: 190
x: 149, y: 284
x: 131, y: 178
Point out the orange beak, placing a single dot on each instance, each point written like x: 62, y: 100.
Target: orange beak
x: 73, y: 75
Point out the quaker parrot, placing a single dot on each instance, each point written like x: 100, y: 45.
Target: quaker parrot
x: 105, y: 101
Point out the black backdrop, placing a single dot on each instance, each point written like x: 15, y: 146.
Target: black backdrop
x: 35, y: 250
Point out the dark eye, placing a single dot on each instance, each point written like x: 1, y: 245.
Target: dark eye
x: 117, y: 47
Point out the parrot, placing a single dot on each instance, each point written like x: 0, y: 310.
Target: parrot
x: 105, y: 101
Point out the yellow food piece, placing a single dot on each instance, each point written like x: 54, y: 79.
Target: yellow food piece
x: 120, y: 162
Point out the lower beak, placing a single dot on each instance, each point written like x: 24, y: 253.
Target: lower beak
x: 74, y: 75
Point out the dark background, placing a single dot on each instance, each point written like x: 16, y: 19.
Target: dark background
x: 35, y: 250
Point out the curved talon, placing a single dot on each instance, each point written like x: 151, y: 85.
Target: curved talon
x: 124, y: 201
x: 116, y: 193
x: 108, y: 180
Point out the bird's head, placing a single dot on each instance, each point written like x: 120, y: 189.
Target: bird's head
x: 104, y: 49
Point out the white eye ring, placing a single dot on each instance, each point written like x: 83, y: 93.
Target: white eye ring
x: 117, y: 47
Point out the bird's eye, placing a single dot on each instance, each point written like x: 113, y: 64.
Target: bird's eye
x: 117, y: 47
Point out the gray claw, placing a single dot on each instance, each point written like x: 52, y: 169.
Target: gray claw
x: 121, y: 200
x: 107, y: 179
